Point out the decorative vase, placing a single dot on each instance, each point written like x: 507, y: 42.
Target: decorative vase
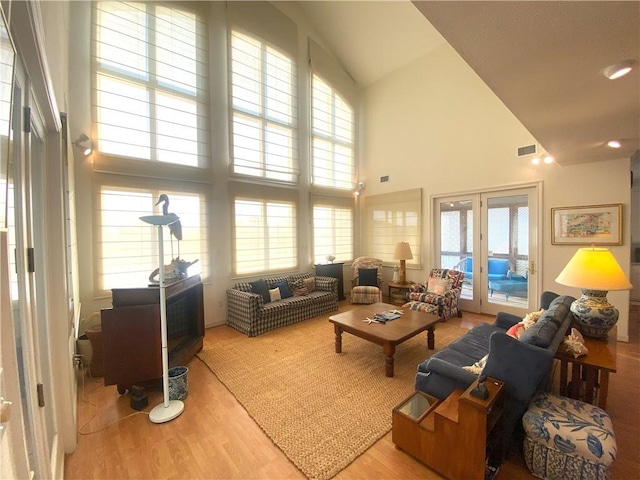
x: 396, y: 274
x: 178, y: 383
x: 593, y: 314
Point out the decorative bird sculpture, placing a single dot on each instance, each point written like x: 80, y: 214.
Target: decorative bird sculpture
x: 174, y: 227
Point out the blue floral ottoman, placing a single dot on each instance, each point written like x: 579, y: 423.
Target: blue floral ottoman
x: 567, y: 439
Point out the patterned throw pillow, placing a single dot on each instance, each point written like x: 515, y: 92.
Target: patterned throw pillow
x: 298, y: 288
x: 310, y: 283
x: 531, y: 318
x: 439, y: 286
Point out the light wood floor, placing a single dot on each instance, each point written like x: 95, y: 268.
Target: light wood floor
x: 215, y: 437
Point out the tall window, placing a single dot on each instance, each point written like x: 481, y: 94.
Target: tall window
x: 333, y: 133
x: 264, y: 116
x: 150, y: 69
x: 149, y: 103
x: 391, y: 218
x: 265, y: 235
x: 332, y: 229
x: 127, y: 249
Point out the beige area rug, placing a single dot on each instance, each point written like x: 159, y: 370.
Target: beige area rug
x: 320, y: 408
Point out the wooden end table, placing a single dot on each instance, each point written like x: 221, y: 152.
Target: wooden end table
x: 593, y: 369
x: 389, y: 334
x: 402, y: 287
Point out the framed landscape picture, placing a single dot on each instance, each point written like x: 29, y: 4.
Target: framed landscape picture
x: 593, y: 224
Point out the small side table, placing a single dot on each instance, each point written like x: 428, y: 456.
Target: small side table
x: 593, y: 369
x: 457, y: 436
x: 401, y: 287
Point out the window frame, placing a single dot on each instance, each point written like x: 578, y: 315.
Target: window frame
x: 291, y: 173
x: 265, y: 194
x: 332, y: 139
x: 154, y: 87
x: 396, y: 203
x: 334, y: 202
x: 157, y: 187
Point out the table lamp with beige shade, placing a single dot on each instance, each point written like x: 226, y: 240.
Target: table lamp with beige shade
x: 403, y: 253
x: 595, y: 271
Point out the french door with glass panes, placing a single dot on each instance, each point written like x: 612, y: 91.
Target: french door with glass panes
x: 39, y: 454
x: 493, y: 238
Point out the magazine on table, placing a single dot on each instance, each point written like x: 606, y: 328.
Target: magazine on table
x: 388, y: 315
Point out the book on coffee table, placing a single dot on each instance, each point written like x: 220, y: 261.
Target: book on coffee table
x: 387, y: 315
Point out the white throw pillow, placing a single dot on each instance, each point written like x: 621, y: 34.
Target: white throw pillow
x: 274, y: 294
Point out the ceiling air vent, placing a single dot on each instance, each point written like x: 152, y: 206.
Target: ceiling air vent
x: 527, y: 150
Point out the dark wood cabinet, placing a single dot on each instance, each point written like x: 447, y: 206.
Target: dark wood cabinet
x: 333, y: 270
x: 132, y: 346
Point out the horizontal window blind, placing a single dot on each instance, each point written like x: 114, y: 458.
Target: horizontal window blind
x: 7, y: 58
x: 265, y: 235
x: 333, y: 131
x: 332, y: 228
x: 6, y: 90
x: 264, y: 113
x: 149, y: 96
x: 127, y: 250
x: 392, y: 218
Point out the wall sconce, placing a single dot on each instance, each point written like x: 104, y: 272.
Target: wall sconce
x: 84, y: 143
x: 359, y: 188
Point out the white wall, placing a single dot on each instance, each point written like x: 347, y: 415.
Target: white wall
x: 55, y: 20
x: 434, y: 124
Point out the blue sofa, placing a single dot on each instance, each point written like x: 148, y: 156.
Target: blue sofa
x: 524, y: 364
x: 498, y: 268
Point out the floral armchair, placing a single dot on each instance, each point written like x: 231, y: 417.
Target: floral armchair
x: 439, y: 295
x: 366, y: 290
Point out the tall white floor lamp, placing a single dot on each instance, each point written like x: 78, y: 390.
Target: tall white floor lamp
x: 168, y: 409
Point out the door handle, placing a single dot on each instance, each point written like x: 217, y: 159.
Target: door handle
x: 532, y: 267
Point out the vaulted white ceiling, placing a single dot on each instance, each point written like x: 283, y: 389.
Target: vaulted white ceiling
x: 544, y: 60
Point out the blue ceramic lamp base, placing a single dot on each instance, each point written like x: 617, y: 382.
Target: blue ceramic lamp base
x: 593, y: 314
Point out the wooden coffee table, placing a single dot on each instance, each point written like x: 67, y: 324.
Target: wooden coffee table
x: 389, y: 334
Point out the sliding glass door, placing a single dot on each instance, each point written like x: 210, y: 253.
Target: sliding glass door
x: 493, y: 238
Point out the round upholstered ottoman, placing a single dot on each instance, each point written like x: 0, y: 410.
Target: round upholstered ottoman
x: 567, y: 439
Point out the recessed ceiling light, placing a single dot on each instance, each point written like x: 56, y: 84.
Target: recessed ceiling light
x: 548, y: 159
x: 614, y: 144
x: 619, y: 69
x: 535, y: 160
